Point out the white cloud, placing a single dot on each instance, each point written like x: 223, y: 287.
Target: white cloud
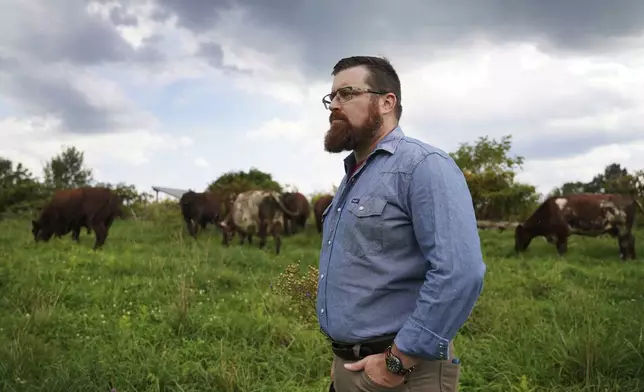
x: 554, y: 172
x: 449, y: 96
x: 34, y: 141
x: 200, y: 162
x: 511, y: 85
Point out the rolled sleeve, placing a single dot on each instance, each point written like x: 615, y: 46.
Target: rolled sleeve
x: 440, y: 206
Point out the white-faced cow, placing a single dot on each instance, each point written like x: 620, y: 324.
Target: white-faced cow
x: 257, y: 212
x: 585, y: 214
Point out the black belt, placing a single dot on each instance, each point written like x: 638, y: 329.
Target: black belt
x: 357, y: 351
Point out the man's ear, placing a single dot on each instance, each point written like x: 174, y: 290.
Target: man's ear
x: 389, y: 103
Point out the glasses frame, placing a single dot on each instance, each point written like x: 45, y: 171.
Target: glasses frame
x: 353, y: 92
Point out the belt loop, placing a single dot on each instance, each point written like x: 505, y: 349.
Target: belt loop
x: 356, y: 350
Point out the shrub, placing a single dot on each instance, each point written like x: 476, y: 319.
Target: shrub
x: 300, y: 288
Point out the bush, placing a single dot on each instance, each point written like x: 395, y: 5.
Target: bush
x: 300, y: 288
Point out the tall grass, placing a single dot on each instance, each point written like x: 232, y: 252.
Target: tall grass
x: 156, y: 310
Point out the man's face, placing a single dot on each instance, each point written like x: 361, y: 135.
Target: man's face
x: 353, y: 123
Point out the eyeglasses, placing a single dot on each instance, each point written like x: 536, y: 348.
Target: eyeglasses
x: 347, y: 93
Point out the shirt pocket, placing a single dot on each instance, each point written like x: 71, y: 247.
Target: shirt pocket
x: 363, y: 228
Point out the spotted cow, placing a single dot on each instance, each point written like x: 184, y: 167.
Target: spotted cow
x: 584, y: 214
x: 256, y: 212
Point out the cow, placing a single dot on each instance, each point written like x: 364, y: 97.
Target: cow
x: 584, y: 214
x: 71, y: 209
x: 297, y: 202
x: 199, y: 209
x: 318, y: 208
x: 256, y: 212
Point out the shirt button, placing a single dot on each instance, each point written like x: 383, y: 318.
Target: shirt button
x: 322, y: 311
x: 339, y: 209
x: 322, y: 276
x: 361, y: 208
x: 329, y: 242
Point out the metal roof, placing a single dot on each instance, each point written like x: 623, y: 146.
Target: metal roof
x: 170, y: 191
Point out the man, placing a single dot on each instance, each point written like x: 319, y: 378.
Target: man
x: 401, y: 265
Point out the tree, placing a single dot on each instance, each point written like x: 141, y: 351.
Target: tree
x: 614, y: 179
x: 19, y: 190
x: 240, y: 181
x: 66, y: 170
x: 490, y: 174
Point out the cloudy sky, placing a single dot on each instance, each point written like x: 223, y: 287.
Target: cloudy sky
x: 175, y: 93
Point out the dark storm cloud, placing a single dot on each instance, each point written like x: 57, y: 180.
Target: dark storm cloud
x: 70, y: 34
x: 120, y: 17
x: 214, y: 54
x: 35, y: 93
x: 566, y: 145
x: 332, y: 29
x: 41, y: 38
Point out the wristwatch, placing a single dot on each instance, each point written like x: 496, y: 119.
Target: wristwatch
x: 394, y: 364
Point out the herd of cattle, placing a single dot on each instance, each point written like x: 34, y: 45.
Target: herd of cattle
x: 261, y: 212
x: 255, y: 212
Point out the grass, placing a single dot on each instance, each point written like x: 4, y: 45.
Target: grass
x: 157, y: 311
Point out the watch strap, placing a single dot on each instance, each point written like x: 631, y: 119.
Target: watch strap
x: 394, y: 364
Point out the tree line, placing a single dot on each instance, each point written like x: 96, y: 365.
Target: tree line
x: 489, y: 169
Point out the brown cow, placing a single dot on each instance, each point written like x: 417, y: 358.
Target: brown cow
x: 199, y: 209
x: 585, y: 214
x: 318, y: 208
x: 257, y: 212
x: 70, y: 209
x: 298, y: 203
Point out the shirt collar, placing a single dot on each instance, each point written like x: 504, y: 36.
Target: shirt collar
x: 388, y: 144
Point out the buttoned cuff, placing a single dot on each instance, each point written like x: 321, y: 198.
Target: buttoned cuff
x: 417, y: 341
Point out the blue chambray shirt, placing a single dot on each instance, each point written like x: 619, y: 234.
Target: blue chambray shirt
x: 400, y: 250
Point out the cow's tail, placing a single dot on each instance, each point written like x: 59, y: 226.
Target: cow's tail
x: 639, y: 205
x: 285, y: 210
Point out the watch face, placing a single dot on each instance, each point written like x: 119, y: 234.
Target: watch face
x: 393, y: 364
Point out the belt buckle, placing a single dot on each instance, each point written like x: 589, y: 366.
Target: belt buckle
x: 356, y: 350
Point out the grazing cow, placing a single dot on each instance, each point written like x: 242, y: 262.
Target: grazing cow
x: 318, y: 208
x: 297, y: 202
x: 257, y: 212
x: 199, y: 209
x: 585, y: 214
x: 70, y: 209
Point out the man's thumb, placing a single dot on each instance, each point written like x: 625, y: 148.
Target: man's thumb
x: 359, y: 365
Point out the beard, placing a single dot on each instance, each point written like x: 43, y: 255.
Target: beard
x: 343, y: 136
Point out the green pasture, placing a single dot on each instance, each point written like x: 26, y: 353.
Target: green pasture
x: 156, y: 310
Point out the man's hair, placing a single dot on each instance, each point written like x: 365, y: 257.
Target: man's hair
x: 382, y: 75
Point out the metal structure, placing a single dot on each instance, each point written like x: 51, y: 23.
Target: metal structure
x: 174, y: 192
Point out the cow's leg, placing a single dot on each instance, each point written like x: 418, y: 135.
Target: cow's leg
x: 626, y: 246
x: 76, y: 232
x: 262, y: 234
x: 101, y: 234
x: 562, y: 245
x: 275, y: 232
x: 190, y: 227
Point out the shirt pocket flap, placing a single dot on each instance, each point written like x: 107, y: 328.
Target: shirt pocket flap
x: 369, y: 207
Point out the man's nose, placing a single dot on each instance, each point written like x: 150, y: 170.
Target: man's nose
x: 334, y: 105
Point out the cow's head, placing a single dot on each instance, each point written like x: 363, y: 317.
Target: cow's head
x: 522, y: 238
x: 41, y: 232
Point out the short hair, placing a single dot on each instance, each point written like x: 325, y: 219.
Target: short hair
x: 382, y: 75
